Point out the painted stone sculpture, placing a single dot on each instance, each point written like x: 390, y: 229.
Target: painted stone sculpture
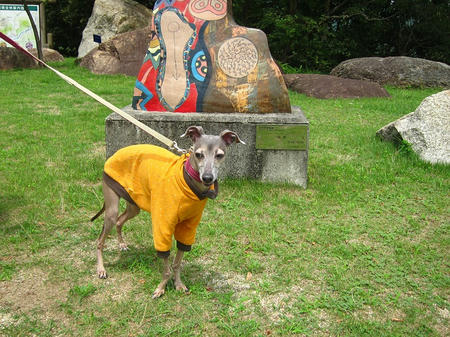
x: 200, y: 60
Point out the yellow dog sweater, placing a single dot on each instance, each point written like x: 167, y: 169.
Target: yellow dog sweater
x: 153, y: 177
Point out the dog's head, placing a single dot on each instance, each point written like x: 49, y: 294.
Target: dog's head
x: 209, y: 151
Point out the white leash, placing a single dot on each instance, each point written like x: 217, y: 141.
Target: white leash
x: 163, y: 139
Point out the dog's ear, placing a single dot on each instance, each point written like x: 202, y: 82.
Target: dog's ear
x: 230, y: 137
x: 193, y: 132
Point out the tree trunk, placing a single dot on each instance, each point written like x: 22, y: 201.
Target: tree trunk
x: 293, y: 6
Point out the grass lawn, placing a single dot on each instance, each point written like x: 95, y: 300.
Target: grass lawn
x: 362, y: 252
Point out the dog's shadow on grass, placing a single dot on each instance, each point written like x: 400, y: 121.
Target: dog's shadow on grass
x: 209, y: 278
x: 134, y: 259
x: 196, y: 275
x: 9, y: 203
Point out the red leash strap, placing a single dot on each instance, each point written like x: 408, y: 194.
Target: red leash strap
x: 18, y: 47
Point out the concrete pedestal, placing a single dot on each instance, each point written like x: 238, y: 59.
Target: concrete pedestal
x: 276, y: 147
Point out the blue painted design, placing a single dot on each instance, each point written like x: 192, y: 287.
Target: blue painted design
x: 198, y: 58
x: 159, y: 2
x: 146, y: 94
x: 201, y: 82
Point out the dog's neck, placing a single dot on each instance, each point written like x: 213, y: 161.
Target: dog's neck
x: 192, y: 177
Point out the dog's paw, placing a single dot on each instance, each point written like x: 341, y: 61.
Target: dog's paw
x: 102, y: 274
x: 158, y: 293
x: 182, y: 288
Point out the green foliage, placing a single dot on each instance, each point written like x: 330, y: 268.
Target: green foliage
x: 320, y: 34
x: 288, y: 69
x: 6, y: 270
x: 66, y: 20
x: 309, y: 35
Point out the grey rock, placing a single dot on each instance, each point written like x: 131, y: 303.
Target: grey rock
x: 11, y: 58
x: 112, y: 17
x: 121, y: 54
x: 427, y: 129
x: 398, y: 71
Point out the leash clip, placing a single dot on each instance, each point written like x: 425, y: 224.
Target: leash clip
x: 178, y: 149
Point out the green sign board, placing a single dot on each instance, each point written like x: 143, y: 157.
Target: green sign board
x: 282, y: 137
x: 14, y: 23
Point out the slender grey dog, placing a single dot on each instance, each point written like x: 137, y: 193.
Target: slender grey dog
x: 174, y: 189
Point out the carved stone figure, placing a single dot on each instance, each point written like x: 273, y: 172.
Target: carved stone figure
x: 200, y: 60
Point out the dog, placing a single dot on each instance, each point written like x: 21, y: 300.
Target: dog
x: 173, y: 189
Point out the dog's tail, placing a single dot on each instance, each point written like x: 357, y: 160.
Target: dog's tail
x: 99, y: 213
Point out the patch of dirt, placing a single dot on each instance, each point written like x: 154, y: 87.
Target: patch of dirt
x: 363, y: 240
x: 443, y: 313
x: 6, y: 320
x: 280, y: 305
x: 117, y: 287
x: 84, y: 183
x: 98, y: 150
x: 40, y: 291
x: 365, y: 314
x: 51, y: 164
x: 342, y: 158
x: 275, y: 306
x: 31, y: 291
x: 227, y: 281
x: 443, y: 317
x: 53, y: 110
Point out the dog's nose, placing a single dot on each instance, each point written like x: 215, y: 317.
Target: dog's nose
x: 207, y: 178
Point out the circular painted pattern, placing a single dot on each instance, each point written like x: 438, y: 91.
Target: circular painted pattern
x: 237, y: 57
x: 199, y: 66
x: 208, y: 9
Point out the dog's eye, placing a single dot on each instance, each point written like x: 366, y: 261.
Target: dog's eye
x: 199, y: 155
x: 220, y: 156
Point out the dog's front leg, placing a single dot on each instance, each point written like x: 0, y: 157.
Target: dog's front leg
x: 179, y: 285
x: 167, y: 273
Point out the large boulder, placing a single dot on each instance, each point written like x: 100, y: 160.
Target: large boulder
x: 427, y: 129
x: 50, y: 55
x: 112, y: 17
x: 120, y: 55
x: 11, y: 58
x: 200, y: 60
x: 397, y: 71
x: 325, y: 86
